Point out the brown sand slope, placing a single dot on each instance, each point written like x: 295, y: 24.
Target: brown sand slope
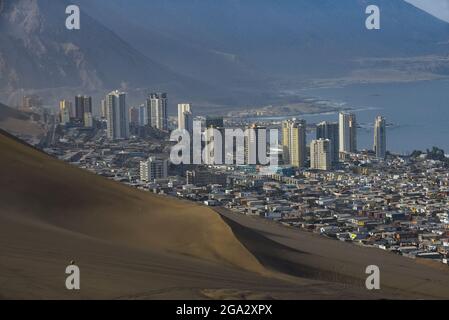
x: 134, y: 245
x: 311, y: 256
x: 128, y: 243
x: 38, y: 191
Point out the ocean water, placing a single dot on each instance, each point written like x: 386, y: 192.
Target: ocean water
x: 417, y: 112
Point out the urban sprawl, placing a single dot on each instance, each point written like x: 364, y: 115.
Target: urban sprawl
x: 372, y: 198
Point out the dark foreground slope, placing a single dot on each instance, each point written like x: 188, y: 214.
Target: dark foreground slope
x: 124, y: 241
x: 311, y: 256
x: 133, y: 245
x: 127, y: 243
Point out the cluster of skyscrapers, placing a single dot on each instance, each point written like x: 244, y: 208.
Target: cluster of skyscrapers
x: 334, y: 141
x: 115, y: 111
x: 153, y: 113
x: 80, y: 114
x: 248, y: 147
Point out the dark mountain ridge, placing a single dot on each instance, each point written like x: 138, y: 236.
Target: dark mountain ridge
x: 278, y: 38
x: 234, y: 52
x: 38, y: 52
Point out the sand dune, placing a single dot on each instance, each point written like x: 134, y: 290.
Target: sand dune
x: 134, y: 245
x: 129, y: 243
x: 38, y: 189
x: 307, y: 255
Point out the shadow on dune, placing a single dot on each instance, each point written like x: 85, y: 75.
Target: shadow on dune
x: 280, y: 258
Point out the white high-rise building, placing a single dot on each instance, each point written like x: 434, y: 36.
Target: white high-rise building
x: 185, y: 117
x: 117, y: 116
x: 347, y: 133
x: 153, y: 168
x: 103, y: 108
x: 133, y: 115
x: 157, y: 105
x: 321, y: 154
x: 65, y: 108
x: 88, y: 120
x: 143, y: 115
x: 214, y: 149
x: 380, y: 137
x: 329, y: 130
x: 255, y: 142
x: 294, y: 142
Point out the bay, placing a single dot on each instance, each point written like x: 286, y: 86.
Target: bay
x: 417, y: 112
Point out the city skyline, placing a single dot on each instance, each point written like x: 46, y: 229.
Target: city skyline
x: 294, y: 153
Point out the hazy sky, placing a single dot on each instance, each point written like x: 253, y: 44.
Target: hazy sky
x: 439, y: 8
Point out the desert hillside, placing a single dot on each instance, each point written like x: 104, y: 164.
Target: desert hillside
x: 128, y: 244
x: 311, y: 256
x: 131, y: 244
x: 52, y: 213
x: 36, y: 187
